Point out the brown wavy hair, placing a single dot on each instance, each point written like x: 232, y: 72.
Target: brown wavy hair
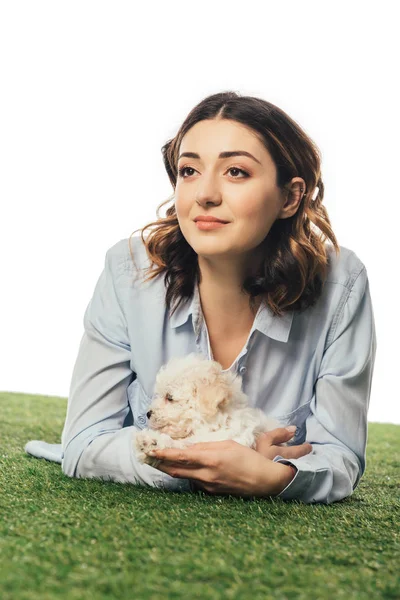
x: 293, y: 272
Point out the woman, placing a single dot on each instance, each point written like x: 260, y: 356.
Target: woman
x: 264, y: 294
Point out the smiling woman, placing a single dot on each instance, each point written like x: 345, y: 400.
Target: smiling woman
x: 244, y: 161
x: 247, y: 232
x: 269, y: 295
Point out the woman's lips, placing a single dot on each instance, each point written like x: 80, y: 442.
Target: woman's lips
x: 205, y: 225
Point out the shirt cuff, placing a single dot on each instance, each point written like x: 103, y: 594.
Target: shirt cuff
x: 175, y: 484
x: 302, y: 479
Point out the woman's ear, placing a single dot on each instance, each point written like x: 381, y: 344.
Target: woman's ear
x: 292, y: 196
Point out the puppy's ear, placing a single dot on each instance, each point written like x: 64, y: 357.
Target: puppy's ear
x: 214, y: 399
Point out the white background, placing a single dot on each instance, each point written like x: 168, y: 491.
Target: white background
x: 90, y: 91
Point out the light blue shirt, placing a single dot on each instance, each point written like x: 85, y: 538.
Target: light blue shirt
x: 311, y: 369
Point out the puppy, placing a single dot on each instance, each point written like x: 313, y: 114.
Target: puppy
x: 196, y: 402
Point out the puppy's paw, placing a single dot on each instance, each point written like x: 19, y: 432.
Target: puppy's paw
x: 146, y: 440
x: 150, y: 439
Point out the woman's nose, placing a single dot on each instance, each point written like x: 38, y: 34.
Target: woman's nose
x: 208, y: 192
x: 149, y: 414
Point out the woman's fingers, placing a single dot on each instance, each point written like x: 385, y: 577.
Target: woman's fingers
x: 279, y: 435
x: 294, y: 451
x: 273, y: 437
x: 268, y: 445
x: 284, y: 451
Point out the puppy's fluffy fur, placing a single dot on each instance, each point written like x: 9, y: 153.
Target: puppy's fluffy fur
x: 195, y: 401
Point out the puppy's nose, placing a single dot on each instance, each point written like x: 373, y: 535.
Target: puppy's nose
x: 149, y: 414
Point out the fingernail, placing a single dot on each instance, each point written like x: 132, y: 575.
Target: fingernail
x: 292, y: 428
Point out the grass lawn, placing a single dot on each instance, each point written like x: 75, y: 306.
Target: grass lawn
x: 80, y: 538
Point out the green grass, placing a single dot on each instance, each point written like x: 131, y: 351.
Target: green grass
x: 80, y: 538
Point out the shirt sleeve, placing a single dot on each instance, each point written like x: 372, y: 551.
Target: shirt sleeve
x: 337, y: 426
x: 94, y: 442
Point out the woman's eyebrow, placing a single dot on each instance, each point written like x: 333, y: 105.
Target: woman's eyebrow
x: 222, y: 154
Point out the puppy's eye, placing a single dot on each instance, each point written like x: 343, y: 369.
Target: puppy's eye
x: 169, y: 397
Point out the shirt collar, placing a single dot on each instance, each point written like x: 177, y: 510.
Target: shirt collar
x: 273, y: 326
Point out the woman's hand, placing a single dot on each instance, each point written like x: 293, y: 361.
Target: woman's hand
x: 223, y: 468
x: 268, y: 445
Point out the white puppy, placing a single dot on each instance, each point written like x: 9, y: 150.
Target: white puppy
x: 196, y: 402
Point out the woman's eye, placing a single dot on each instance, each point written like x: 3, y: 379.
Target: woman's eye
x: 240, y: 171
x: 183, y: 170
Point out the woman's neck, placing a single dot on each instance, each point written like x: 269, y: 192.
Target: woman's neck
x: 226, y: 310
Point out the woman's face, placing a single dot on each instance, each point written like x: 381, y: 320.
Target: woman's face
x: 238, y: 189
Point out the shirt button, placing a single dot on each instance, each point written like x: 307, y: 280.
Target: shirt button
x: 242, y: 370
x: 142, y: 419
